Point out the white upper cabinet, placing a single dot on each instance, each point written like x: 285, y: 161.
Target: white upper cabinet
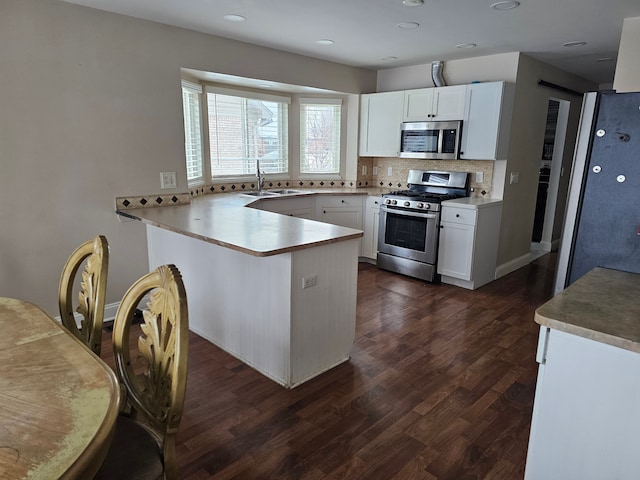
x: 440, y: 103
x: 487, y: 121
x: 380, y: 119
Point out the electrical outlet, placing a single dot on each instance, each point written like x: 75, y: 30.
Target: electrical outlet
x: 375, y: 171
x: 389, y: 171
x: 364, y: 170
x: 479, y: 177
x: 515, y: 177
x: 310, y: 281
x: 168, y: 180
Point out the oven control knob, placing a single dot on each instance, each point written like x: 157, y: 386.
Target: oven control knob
x: 407, y: 204
x: 394, y: 202
x: 387, y: 201
x: 420, y: 205
x: 427, y: 206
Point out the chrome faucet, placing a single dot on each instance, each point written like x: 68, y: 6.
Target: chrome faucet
x: 260, y: 176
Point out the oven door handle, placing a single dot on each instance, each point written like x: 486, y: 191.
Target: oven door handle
x: 407, y: 213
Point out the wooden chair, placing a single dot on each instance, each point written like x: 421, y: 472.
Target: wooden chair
x: 153, y: 377
x: 93, y: 288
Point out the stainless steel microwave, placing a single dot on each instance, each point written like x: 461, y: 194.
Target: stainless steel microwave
x: 436, y: 140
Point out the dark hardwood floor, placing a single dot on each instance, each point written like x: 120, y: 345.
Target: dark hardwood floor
x: 440, y: 385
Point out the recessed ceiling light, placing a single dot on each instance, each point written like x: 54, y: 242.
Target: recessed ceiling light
x: 408, y: 25
x: 466, y: 45
x: 507, y: 5
x: 574, y: 44
x: 388, y: 59
x: 325, y: 41
x: 235, y: 18
x: 412, y: 3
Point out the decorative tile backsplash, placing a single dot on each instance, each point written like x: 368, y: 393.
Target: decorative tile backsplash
x: 146, y: 201
x: 399, y: 168
x: 161, y: 200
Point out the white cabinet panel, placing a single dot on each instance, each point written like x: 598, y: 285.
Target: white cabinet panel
x: 586, y: 420
x: 468, y: 246
x: 487, y: 121
x: 343, y: 210
x: 428, y: 104
x: 302, y: 207
x: 456, y: 250
x: 371, y: 222
x: 380, y: 119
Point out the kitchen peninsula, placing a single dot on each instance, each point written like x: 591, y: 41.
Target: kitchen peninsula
x: 276, y: 291
x: 586, y: 420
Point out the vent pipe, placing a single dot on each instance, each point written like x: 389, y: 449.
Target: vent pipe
x: 436, y: 73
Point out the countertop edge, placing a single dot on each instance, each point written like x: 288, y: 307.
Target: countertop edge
x: 601, y: 306
x: 244, y: 202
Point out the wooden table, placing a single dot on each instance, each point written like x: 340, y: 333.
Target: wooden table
x: 58, y: 401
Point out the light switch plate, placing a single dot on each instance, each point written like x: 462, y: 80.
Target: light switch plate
x: 168, y: 180
x: 479, y: 177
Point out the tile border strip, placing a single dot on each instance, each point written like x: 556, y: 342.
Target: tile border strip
x: 168, y: 199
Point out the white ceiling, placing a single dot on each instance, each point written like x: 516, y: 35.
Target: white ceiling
x: 365, y: 31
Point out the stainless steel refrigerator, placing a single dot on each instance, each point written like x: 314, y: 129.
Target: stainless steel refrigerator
x: 602, y: 220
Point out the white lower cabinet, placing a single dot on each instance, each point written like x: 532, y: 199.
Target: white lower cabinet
x: 468, y: 244
x: 586, y: 420
x: 371, y: 222
x: 298, y: 206
x: 343, y: 210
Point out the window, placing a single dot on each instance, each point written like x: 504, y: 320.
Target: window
x: 244, y: 127
x: 192, y: 131
x: 320, y: 135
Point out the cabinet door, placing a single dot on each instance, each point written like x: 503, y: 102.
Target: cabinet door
x: 442, y: 103
x: 449, y: 103
x: 371, y: 222
x: 344, y: 216
x: 487, y: 121
x: 380, y: 119
x: 455, y: 252
x: 418, y: 105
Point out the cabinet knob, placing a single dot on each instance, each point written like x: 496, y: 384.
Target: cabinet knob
x: 457, y: 215
x: 342, y: 201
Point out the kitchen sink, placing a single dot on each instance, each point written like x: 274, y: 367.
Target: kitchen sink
x: 284, y: 191
x: 261, y: 193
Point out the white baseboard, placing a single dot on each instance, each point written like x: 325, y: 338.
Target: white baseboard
x: 109, y: 312
x: 513, y: 265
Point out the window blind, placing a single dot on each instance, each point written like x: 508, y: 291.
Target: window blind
x: 244, y: 129
x: 192, y: 131
x: 320, y: 135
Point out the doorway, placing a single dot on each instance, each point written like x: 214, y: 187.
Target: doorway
x: 544, y: 239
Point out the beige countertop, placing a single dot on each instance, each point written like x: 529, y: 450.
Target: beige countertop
x: 603, y: 305
x: 473, y: 202
x: 222, y: 219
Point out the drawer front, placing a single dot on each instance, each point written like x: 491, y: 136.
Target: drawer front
x: 459, y: 215
x: 341, y: 201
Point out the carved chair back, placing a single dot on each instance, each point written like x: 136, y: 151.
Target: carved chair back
x: 153, y: 370
x: 91, y: 297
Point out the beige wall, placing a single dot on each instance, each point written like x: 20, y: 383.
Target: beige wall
x: 91, y: 110
x: 627, y: 77
x: 525, y: 150
x: 490, y: 68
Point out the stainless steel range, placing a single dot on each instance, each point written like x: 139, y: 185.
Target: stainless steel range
x: 410, y: 222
